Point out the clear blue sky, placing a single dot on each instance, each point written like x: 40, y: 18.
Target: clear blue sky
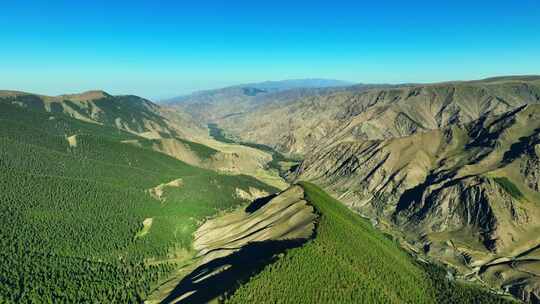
x: 164, y: 48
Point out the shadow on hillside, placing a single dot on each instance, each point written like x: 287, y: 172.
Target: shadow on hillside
x: 202, y: 285
x: 525, y: 145
x: 259, y: 203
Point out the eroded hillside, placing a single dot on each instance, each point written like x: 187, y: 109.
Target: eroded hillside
x: 466, y: 195
x: 301, y: 126
x: 234, y: 246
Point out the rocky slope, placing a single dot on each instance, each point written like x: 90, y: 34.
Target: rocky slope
x: 214, y: 105
x: 300, y: 126
x: 285, y: 216
x: 465, y: 194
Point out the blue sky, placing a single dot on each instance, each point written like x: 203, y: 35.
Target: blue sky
x: 164, y: 48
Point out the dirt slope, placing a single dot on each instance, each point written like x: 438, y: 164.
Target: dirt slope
x: 234, y: 246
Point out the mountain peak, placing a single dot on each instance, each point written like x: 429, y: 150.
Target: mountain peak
x: 298, y: 83
x: 86, y: 96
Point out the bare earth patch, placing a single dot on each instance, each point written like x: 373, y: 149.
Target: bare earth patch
x: 250, y: 195
x: 72, y: 141
x: 157, y: 192
x: 147, y: 224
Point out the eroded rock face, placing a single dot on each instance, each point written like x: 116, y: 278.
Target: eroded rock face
x: 465, y: 194
x: 372, y: 175
x: 530, y: 168
x: 529, y: 165
x: 439, y: 180
x: 233, y: 247
x: 286, y: 216
x: 476, y: 203
x: 379, y: 182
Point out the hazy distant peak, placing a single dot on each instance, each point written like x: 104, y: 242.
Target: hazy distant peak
x: 257, y: 88
x: 299, y: 83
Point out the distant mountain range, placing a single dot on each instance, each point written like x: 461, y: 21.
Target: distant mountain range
x: 298, y: 83
x: 376, y: 112
x: 252, y: 89
x: 210, y: 105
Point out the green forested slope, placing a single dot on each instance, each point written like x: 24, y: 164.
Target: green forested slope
x: 350, y: 262
x: 128, y: 112
x: 71, y: 211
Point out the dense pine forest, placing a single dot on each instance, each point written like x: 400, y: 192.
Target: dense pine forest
x: 80, y: 222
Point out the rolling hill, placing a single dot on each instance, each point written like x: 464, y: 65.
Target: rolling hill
x: 170, y: 131
x: 89, y: 217
x: 130, y: 113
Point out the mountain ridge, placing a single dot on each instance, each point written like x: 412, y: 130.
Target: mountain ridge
x: 377, y: 113
x: 449, y: 168
x: 272, y: 85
